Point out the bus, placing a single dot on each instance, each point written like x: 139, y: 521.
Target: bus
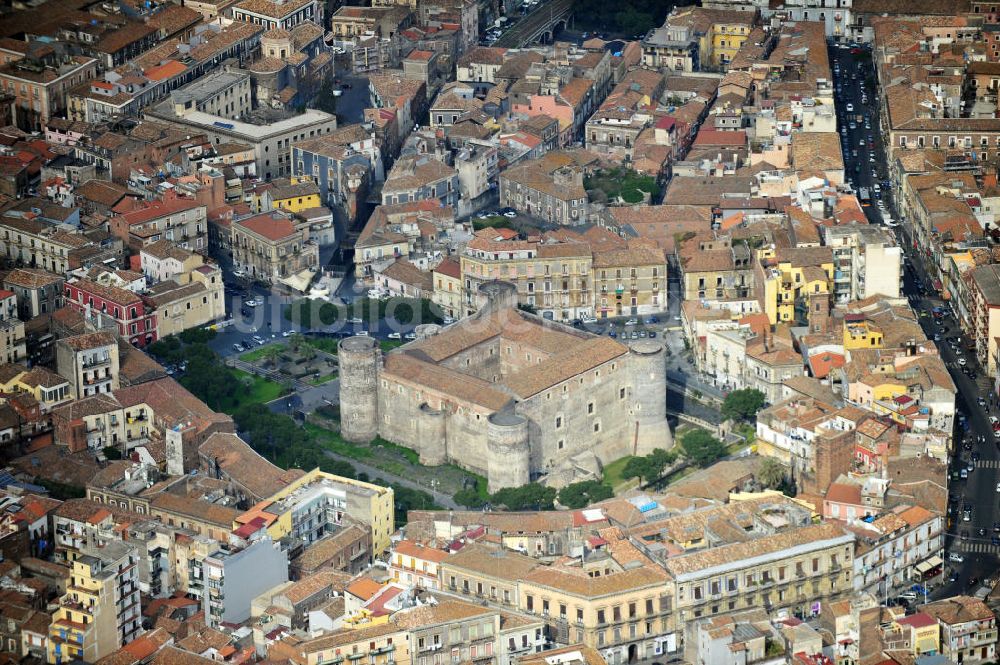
x: 864, y: 196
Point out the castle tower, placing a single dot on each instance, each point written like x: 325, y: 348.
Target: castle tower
x: 432, y: 430
x: 359, y: 363
x: 508, y: 451
x: 649, y: 393
x: 497, y: 295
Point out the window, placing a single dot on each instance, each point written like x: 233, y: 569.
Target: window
x: 590, y: 407
x: 600, y: 617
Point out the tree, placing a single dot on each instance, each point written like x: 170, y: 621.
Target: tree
x: 701, y: 447
x: 526, y: 497
x: 469, y: 498
x: 296, y: 341
x: 771, y: 473
x: 584, y: 493
x: 649, y: 467
x: 271, y: 354
x: 111, y: 452
x: 743, y: 404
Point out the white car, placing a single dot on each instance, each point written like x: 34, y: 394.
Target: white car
x: 410, y: 335
x: 355, y: 320
x: 998, y: 487
x: 448, y: 320
x: 632, y: 322
x: 850, y: 108
x: 510, y: 213
x: 250, y: 303
x: 955, y: 558
x: 362, y: 333
x: 287, y: 333
x: 394, y: 336
x: 962, y: 362
x: 589, y: 319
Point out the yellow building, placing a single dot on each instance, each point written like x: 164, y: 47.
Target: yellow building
x: 794, y: 284
x: 921, y: 629
x: 727, y: 38
x: 552, y: 277
x: 625, y: 610
x: 861, y: 334
x: 447, y: 279
x: 293, y: 195
x: 99, y: 613
x: 629, y: 281
x: 319, y: 503
x: 379, y: 644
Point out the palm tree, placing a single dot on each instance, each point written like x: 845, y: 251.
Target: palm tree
x: 271, y: 354
x: 771, y: 473
x: 296, y: 341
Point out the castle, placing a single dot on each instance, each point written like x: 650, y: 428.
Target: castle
x: 508, y: 394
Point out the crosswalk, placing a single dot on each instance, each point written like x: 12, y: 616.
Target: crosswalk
x: 975, y: 547
x: 987, y: 464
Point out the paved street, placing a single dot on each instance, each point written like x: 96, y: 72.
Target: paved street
x: 979, y: 491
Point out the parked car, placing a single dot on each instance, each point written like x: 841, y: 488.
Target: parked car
x: 394, y: 335
x: 632, y: 322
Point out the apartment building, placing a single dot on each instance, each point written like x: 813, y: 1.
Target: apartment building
x: 233, y: 577
x: 794, y: 284
x: 39, y: 85
x: 421, y: 178
x: 631, y: 280
x: 451, y: 629
x: 277, y: 14
x: 37, y: 291
x: 968, y: 629
x: 447, y: 287
x: 553, y: 194
x: 318, y: 503
x: 164, y: 259
x: 983, y: 308
x: 270, y: 247
x: 715, y: 269
x: 897, y: 548
x: 414, y: 564
x: 89, y: 362
x: 134, y: 315
x: 486, y: 574
x: 624, y: 613
x: 99, y: 613
x: 554, y: 277
x: 798, y: 569
x: 867, y: 262
x: 13, y: 347
x: 194, y: 299
x: 379, y: 644
x: 36, y: 244
x: 179, y: 220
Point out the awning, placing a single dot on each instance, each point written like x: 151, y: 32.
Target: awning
x: 300, y: 281
x: 929, y: 564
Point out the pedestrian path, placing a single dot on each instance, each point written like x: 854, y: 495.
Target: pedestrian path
x: 987, y: 464
x: 974, y: 547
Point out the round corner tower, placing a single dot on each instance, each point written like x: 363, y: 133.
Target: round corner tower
x: 508, y: 451
x: 433, y: 432
x: 497, y: 295
x: 649, y: 392
x: 359, y: 364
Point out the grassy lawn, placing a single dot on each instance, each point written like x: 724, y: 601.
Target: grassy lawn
x: 492, y: 222
x: 261, y: 390
x: 320, y: 380
x: 390, y: 344
x: 613, y: 472
x: 260, y: 352
x: 311, y: 313
x: 626, y: 183
x: 325, y: 344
